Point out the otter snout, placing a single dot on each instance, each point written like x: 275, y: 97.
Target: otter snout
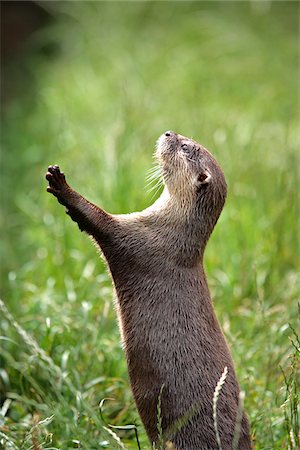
x: 166, y: 142
x: 170, y: 133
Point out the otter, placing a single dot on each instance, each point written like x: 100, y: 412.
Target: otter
x: 174, y: 346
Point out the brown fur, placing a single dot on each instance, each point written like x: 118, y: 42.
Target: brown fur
x: 172, y: 339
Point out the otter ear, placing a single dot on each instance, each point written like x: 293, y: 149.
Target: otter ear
x: 203, y: 177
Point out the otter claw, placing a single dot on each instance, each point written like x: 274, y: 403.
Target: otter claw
x: 54, y: 169
x: 57, y: 180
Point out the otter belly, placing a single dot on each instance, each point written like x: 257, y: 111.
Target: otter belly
x: 176, y: 354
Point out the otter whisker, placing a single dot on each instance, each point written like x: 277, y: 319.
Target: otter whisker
x: 155, y: 171
x: 153, y: 176
x: 155, y: 186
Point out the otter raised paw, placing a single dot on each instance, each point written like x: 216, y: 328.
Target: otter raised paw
x: 57, y: 182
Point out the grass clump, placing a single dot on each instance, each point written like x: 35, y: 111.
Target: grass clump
x: 224, y: 73
x: 291, y: 402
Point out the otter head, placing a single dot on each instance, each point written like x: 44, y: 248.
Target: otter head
x: 192, y: 177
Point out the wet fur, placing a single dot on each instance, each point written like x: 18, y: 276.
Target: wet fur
x: 172, y: 339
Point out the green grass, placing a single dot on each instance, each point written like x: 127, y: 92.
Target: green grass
x: 226, y: 74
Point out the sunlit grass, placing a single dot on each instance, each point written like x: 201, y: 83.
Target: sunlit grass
x: 223, y: 73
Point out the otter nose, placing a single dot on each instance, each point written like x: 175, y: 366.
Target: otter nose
x: 170, y: 133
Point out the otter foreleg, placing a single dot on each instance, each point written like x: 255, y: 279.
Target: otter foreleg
x: 89, y: 217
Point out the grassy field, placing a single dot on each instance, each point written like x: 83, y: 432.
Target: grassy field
x: 224, y: 73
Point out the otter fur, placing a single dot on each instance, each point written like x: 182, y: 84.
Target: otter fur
x: 174, y: 346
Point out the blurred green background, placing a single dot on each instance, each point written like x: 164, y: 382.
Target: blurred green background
x: 91, y: 90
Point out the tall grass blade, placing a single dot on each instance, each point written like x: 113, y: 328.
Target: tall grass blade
x: 217, y: 393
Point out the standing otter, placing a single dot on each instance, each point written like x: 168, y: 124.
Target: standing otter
x: 175, y: 349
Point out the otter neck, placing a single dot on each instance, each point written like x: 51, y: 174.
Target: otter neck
x: 185, y: 226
